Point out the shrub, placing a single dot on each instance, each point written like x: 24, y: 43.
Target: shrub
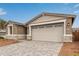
x: 1, y: 37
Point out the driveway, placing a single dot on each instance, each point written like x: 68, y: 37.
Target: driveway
x: 31, y: 48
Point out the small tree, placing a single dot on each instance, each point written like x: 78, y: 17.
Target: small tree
x: 2, y: 23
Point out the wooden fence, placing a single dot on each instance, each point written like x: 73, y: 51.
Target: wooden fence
x: 76, y: 35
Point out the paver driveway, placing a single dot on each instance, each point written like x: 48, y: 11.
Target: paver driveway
x: 31, y: 48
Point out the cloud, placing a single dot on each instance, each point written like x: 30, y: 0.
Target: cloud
x: 76, y: 6
x: 2, y: 12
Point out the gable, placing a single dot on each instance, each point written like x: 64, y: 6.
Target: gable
x: 47, y: 19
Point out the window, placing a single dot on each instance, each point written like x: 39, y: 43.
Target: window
x: 48, y: 26
x: 58, y: 25
x: 10, y: 29
x: 34, y: 27
x: 41, y: 26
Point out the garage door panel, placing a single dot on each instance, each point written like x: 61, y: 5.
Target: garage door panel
x: 48, y: 34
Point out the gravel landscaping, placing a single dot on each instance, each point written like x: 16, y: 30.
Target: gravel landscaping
x: 70, y: 49
x: 31, y: 48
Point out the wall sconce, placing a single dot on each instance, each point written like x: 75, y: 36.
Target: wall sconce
x: 68, y: 24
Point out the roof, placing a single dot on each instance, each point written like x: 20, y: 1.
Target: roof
x: 51, y: 14
x: 13, y: 22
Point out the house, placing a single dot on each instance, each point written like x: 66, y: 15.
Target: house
x: 44, y: 27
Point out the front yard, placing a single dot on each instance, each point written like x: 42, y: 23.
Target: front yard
x: 70, y: 49
x: 4, y: 42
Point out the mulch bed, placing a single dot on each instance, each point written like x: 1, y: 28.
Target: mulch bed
x: 70, y: 49
x: 4, y: 42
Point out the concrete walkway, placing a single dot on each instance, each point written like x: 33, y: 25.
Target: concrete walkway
x: 31, y: 48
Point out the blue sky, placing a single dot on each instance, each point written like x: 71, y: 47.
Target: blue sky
x: 24, y: 12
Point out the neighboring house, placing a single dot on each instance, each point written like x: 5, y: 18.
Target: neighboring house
x: 75, y: 29
x: 44, y: 27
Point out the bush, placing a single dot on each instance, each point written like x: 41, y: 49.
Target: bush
x: 1, y: 37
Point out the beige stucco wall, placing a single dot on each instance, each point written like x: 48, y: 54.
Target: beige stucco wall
x: 69, y: 27
x: 15, y: 37
x: 18, y: 29
x: 67, y: 39
x: 14, y: 29
x: 68, y: 30
x: 6, y: 30
x: 47, y: 18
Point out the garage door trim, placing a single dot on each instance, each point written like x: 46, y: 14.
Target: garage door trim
x: 64, y: 20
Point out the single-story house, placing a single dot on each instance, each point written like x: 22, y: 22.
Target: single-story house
x: 44, y: 27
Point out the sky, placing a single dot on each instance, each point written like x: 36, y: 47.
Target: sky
x: 23, y: 12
